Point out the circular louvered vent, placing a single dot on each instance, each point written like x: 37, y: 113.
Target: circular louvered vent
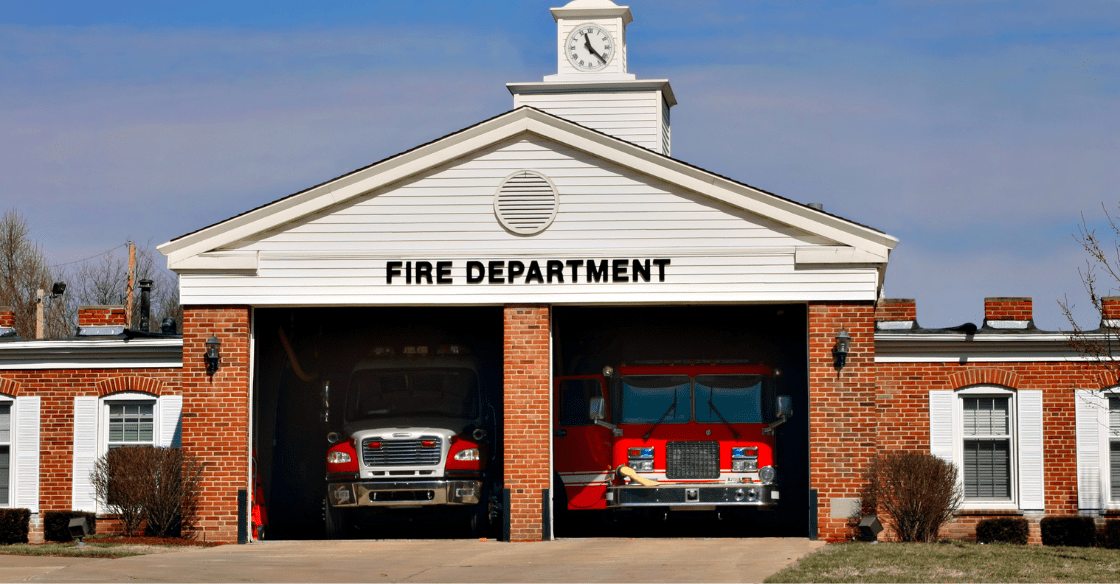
x: 526, y: 202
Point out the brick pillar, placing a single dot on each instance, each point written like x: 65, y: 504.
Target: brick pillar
x: 1013, y: 308
x: 527, y: 380
x: 7, y: 317
x: 101, y: 316
x: 842, y: 411
x: 216, y: 414
x: 896, y: 309
x: 1110, y: 312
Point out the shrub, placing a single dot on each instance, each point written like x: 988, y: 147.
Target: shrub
x: 56, y: 524
x: 14, y: 525
x: 1003, y: 530
x: 916, y: 490
x: 159, y: 486
x: 1109, y: 535
x: 1074, y: 531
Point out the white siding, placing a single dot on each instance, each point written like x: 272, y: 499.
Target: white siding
x: 666, y: 135
x: 1087, y: 412
x: 634, y: 116
x: 1032, y: 484
x: 26, y: 482
x: 718, y: 253
x: 85, y: 452
x: 170, y: 421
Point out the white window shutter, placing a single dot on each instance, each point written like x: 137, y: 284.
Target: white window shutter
x: 941, y: 424
x: 27, y: 453
x: 170, y: 421
x: 85, y: 453
x: 1032, y: 485
x: 1087, y: 413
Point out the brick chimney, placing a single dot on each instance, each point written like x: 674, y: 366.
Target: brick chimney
x: 7, y: 317
x: 1015, y: 312
x: 896, y: 314
x: 101, y: 316
x: 1110, y: 312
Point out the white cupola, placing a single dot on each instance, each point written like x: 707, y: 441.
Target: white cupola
x: 591, y: 86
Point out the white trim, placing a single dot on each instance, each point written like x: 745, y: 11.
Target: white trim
x: 959, y: 438
x: 92, y: 354
x: 83, y: 496
x: 127, y: 397
x: 1032, y: 467
x: 1008, y: 324
x: 25, y: 460
x: 11, y: 444
x: 1089, y: 435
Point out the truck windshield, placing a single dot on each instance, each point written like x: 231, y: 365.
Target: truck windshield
x: 396, y: 393
x: 646, y: 399
x: 738, y: 398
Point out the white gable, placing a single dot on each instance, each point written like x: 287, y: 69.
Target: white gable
x: 621, y: 208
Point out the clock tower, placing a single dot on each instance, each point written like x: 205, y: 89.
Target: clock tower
x: 592, y: 86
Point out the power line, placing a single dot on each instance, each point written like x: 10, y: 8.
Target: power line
x: 114, y: 248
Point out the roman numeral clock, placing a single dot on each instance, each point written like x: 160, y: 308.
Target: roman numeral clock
x: 589, y: 47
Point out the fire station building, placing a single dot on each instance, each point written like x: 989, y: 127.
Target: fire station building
x: 558, y: 237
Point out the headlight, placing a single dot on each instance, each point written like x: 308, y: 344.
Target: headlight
x: 337, y: 457
x: 641, y: 465
x: 767, y: 474
x: 744, y: 465
x: 468, y: 454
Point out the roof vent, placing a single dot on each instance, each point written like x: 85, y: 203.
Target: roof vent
x: 526, y: 202
x: 817, y: 206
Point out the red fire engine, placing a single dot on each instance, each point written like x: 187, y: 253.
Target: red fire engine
x: 669, y: 436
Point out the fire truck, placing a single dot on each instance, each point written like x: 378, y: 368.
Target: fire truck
x: 661, y: 437
x: 419, y: 438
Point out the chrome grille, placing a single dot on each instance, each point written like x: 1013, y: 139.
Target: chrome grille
x: 401, y: 452
x: 692, y: 460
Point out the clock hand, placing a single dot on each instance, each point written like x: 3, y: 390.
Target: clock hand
x: 587, y: 43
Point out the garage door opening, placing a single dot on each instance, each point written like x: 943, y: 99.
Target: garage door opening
x: 320, y: 371
x: 680, y: 421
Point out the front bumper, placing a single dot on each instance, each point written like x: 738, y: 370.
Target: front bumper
x: 685, y: 495
x: 403, y: 493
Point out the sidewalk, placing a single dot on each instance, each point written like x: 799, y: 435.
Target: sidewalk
x: 566, y: 560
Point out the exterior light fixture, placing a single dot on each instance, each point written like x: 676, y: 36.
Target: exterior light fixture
x: 58, y: 289
x: 212, y: 355
x: 843, y: 345
x: 869, y: 527
x: 79, y: 528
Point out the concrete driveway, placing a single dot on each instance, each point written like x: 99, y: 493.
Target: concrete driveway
x: 565, y: 560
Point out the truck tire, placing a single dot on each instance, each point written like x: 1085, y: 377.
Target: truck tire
x: 334, y: 520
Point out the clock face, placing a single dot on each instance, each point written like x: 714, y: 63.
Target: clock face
x: 589, y: 47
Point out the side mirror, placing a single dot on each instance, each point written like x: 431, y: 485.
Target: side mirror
x: 598, y: 408
x: 785, y: 406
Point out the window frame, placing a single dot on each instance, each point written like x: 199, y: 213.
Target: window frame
x: 125, y: 397
x: 1012, y: 438
x: 13, y: 428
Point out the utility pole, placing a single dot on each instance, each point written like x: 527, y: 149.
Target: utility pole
x: 131, y: 285
x: 39, y: 314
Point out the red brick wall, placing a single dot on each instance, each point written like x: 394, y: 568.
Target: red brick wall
x: 903, y: 409
x: 1110, y: 308
x: 1014, y: 308
x: 842, y: 413
x: 57, y: 389
x: 7, y: 317
x: 527, y: 379
x: 101, y: 316
x: 216, y: 413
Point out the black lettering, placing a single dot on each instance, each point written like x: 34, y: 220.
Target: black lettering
x: 661, y: 268
x: 555, y: 269
x: 596, y: 273
x: 618, y: 271
x: 516, y: 268
x: 575, y: 265
x: 392, y: 269
x: 476, y: 272
x: 423, y: 270
x: 408, y: 272
x: 495, y: 272
x: 443, y: 272
x: 641, y: 271
x: 534, y: 273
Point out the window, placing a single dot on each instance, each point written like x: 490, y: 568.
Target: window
x: 5, y: 453
x: 986, y: 447
x: 1114, y: 448
x: 994, y: 437
x: 131, y: 424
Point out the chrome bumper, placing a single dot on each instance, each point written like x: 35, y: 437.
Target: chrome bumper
x: 403, y: 494
x: 692, y: 495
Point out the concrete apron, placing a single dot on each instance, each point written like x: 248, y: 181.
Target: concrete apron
x: 566, y: 560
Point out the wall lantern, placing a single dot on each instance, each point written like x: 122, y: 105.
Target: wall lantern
x: 212, y: 355
x: 840, y: 351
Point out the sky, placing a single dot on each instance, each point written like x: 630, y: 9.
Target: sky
x: 982, y: 134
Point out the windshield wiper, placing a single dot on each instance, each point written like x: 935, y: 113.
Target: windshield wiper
x: 716, y: 410
x: 672, y: 408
